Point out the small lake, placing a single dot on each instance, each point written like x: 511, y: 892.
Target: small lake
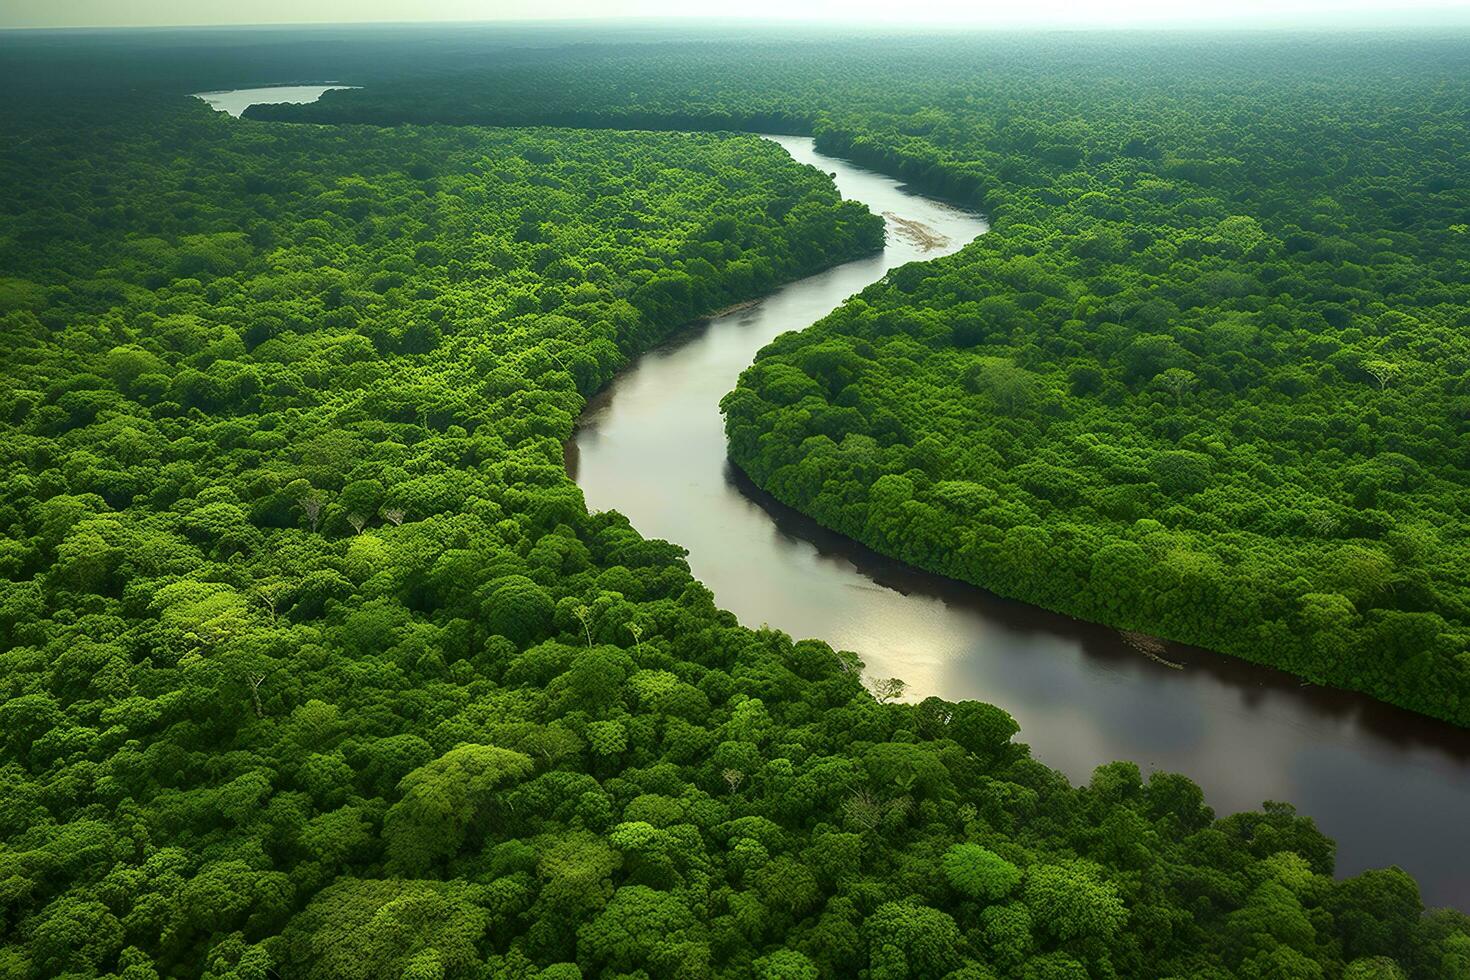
x: 236, y: 101
x: 1390, y: 786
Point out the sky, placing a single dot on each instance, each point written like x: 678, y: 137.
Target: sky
x: 974, y: 13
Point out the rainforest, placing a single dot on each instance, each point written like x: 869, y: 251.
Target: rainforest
x: 316, y: 662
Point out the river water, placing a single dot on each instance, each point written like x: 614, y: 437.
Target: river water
x: 1390, y: 786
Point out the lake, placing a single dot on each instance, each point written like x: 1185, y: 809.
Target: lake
x: 236, y: 101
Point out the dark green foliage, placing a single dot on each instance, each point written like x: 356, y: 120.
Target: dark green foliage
x: 316, y: 665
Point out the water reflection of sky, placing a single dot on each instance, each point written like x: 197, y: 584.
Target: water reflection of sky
x: 1391, y: 787
x: 238, y: 100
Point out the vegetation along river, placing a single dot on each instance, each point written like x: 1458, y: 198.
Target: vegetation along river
x: 1390, y: 786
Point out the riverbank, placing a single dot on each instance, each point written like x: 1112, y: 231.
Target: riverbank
x: 652, y: 446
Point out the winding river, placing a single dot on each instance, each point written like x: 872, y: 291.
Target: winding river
x: 1390, y: 786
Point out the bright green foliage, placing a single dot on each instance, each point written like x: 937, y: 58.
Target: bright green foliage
x: 368, y: 929
x: 640, y: 925
x: 979, y: 873
x: 315, y: 664
x: 1070, y: 902
x: 786, y: 964
x: 907, y: 940
x: 1203, y: 371
x: 1373, y: 968
x: 75, y: 935
x: 442, y: 800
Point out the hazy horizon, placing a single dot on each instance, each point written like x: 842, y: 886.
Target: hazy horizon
x: 1321, y: 14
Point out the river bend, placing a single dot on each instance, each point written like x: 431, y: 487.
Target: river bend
x: 1390, y: 786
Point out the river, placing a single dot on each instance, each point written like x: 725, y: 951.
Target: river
x: 1390, y: 786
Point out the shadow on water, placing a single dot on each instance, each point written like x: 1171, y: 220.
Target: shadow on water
x: 1400, y: 728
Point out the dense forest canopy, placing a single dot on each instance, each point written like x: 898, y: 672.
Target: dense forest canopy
x: 314, y: 663
x: 1205, y: 379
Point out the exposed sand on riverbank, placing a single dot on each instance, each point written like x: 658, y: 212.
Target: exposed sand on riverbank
x: 916, y: 232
